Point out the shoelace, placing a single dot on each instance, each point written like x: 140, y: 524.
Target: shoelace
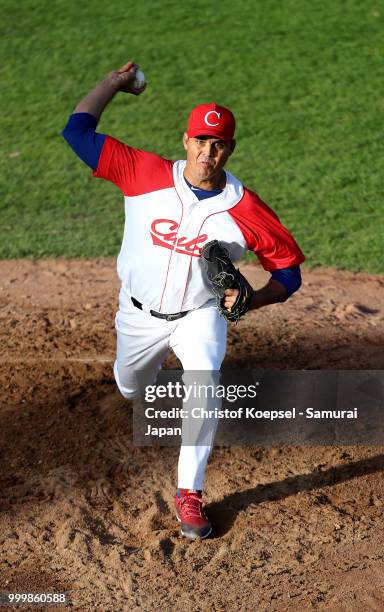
x: 193, y: 506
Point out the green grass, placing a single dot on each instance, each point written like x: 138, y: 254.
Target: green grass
x: 304, y: 79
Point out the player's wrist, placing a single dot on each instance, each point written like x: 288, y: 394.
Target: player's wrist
x: 112, y: 82
x: 272, y: 293
x: 255, y: 301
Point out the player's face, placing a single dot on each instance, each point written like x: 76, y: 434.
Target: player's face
x: 206, y: 156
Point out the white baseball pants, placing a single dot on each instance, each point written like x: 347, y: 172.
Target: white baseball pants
x: 199, y: 342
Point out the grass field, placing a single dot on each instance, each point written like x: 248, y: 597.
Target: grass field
x: 304, y: 79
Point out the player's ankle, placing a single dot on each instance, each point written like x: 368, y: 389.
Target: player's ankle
x: 181, y: 492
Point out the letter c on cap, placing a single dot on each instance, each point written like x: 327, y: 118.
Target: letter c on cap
x: 206, y: 118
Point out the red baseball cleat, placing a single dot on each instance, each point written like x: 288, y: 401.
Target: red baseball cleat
x: 190, y: 513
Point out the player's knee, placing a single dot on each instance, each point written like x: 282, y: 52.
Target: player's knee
x: 128, y: 392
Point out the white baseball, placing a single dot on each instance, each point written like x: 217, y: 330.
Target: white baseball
x: 139, y: 81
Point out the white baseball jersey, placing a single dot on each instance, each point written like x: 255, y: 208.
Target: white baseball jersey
x: 166, y: 225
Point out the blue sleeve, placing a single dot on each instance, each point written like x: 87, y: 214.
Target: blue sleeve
x: 81, y: 136
x: 289, y: 277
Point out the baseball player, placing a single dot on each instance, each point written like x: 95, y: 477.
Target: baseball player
x: 173, y: 208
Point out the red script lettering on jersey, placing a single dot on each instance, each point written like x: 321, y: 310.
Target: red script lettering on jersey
x: 164, y: 234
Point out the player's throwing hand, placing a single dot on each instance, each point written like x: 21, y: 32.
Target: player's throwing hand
x: 126, y: 76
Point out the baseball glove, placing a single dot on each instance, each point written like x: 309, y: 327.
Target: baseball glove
x: 222, y: 275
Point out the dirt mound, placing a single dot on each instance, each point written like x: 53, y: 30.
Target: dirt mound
x: 83, y: 511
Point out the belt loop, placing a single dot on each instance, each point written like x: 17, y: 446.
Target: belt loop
x: 136, y: 303
x: 140, y: 306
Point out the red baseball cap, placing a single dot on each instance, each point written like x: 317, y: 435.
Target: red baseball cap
x: 211, y: 120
